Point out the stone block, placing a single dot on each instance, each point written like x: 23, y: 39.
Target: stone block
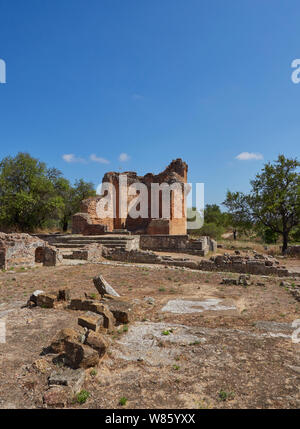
x: 79, y: 355
x: 97, y: 342
x: 64, y: 294
x: 46, y: 300
x: 58, y: 342
x: 72, y: 378
x: 103, y: 287
x: 120, y: 309
x: 91, y: 321
x: 57, y: 397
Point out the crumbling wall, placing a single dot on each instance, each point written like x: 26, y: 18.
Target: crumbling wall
x: 294, y: 251
x: 258, y: 264
x: 178, y: 243
x: 164, y: 242
x: 176, y: 172
x: 24, y: 250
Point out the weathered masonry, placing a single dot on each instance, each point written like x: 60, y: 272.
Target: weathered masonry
x: 87, y: 222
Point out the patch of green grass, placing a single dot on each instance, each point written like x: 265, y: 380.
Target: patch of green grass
x: 162, y: 289
x: 224, y: 396
x: 166, y: 332
x: 123, y: 401
x: 93, y: 372
x: 176, y: 367
x: 93, y: 295
x: 125, y: 328
x: 195, y: 343
x: 82, y: 396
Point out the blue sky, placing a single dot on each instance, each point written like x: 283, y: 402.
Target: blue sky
x: 204, y: 80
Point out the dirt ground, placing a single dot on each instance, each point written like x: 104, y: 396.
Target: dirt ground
x: 196, y: 344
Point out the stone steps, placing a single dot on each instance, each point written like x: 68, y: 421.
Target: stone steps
x: 70, y: 243
x: 81, y: 246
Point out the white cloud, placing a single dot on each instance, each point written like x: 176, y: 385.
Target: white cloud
x: 137, y: 96
x: 70, y: 157
x: 246, y: 156
x: 124, y: 157
x: 96, y: 158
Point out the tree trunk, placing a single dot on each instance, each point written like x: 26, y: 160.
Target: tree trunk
x: 234, y: 234
x: 65, y: 224
x: 285, y: 242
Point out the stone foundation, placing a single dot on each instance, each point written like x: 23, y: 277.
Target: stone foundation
x: 178, y: 243
x: 259, y: 265
x: 23, y: 250
x: 91, y: 253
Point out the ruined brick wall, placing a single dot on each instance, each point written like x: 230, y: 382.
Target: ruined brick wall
x: 21, y: 250
x: 176, y: 173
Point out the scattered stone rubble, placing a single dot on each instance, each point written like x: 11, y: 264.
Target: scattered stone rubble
x: 293, y: 289
x: 243, y: 280
x: 255, y: 264
x: 77, y: 350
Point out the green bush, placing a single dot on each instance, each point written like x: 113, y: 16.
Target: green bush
x: 82, y: 396
x: 211, y: 229
x: 269, y: 236
x: 295, y: 235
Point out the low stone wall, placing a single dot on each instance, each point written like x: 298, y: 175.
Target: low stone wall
x: 21, y: 250
x: 164, y: 242
x: 258, y: 265
x: 138, y: 256
x: 294, y: 251
x: 178, y: 243
x: 91, y: 253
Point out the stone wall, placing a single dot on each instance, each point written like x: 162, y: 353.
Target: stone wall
x: 164, y: 242
x: 91, y: 253
x: 178, y: 243
x: 294, y: 251
x: 176, y: 172
x: 245, y: 265
x: 21, y: 250
x: 82, y: 224
x: 258, y: 265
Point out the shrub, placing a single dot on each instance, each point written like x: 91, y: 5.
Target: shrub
x: 211, y: 229
x: 82, y: 396
x: 269, y: 236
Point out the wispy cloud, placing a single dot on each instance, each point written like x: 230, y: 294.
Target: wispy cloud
x: 136, y: 96
x: 247, y: 156
x: 123, y: 157
x: 70, y: 158
x: 96, y: 158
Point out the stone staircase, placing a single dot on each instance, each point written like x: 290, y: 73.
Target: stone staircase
x: 68, y: 243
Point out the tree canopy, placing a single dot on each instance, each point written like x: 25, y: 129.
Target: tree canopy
x: 274, y: 200
x: 32, y: 195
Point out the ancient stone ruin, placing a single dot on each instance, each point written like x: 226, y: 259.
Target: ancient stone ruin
x: 23, y: 250
x: 87, y: 222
